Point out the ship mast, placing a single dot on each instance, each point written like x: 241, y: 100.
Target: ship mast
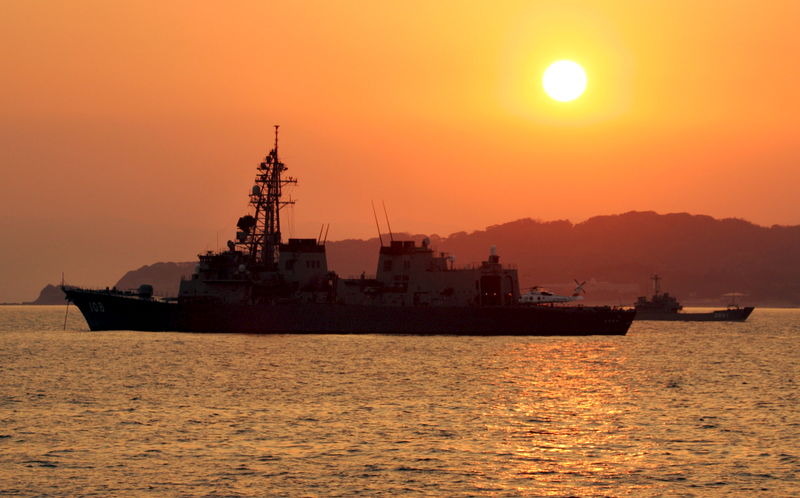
x: 656, y: 284
x: 263, y: 241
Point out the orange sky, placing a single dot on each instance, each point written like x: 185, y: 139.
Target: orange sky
x: 130, y: 131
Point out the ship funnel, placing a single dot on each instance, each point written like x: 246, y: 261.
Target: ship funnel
x: 493, y: 251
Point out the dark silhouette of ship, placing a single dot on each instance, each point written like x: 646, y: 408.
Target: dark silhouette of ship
x: 663, y: 306
x: 262, y: 285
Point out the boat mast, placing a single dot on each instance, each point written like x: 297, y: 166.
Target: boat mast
x: 265, y: 238
x: 656, y: 284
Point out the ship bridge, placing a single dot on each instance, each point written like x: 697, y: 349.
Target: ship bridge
x: 304, y: 262
x: 411, y: 274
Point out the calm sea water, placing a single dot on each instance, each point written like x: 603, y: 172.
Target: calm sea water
x: 672, y: 408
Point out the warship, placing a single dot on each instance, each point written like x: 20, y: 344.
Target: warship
x: 262, y: 284
x: 663, y: 306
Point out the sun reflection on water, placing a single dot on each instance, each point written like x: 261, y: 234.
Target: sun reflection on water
x: 671, y: 409
x: 559, y: 417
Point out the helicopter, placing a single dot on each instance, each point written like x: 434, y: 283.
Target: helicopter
x: 538, y: 295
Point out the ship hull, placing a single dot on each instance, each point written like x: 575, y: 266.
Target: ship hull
x: 110, y: 311
x: 107, y: 310
x: 729, y: 315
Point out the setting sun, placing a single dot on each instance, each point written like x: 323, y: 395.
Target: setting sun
x: 564, y: 80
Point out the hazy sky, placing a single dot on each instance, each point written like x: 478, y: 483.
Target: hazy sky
x: 130, y: 131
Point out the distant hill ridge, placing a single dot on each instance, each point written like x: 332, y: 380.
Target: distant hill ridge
x: 699, y: 257
x: 164, y: 277
x: 50, y: 294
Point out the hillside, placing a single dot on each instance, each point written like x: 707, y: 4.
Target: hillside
x: 50, y: 294
x: 164, y: 277
x: 699, y: 257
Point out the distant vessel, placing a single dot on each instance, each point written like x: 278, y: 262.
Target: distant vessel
x: 666, y: 307
x: 263, y: 285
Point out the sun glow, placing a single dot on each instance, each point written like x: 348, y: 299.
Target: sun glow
x: 564, y: 80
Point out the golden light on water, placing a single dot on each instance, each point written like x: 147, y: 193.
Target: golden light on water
x: 565, y: 423
x: 564, y: 80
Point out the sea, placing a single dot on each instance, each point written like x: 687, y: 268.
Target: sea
x: 671, y: 409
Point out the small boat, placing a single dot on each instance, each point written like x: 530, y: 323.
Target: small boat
x: 663, y: 306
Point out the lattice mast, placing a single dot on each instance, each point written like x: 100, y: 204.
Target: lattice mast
x: 263, y: 240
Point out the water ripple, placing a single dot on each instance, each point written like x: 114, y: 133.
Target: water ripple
x: 670, y: 409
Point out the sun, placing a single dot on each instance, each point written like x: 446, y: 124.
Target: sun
x: 564, y: 80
